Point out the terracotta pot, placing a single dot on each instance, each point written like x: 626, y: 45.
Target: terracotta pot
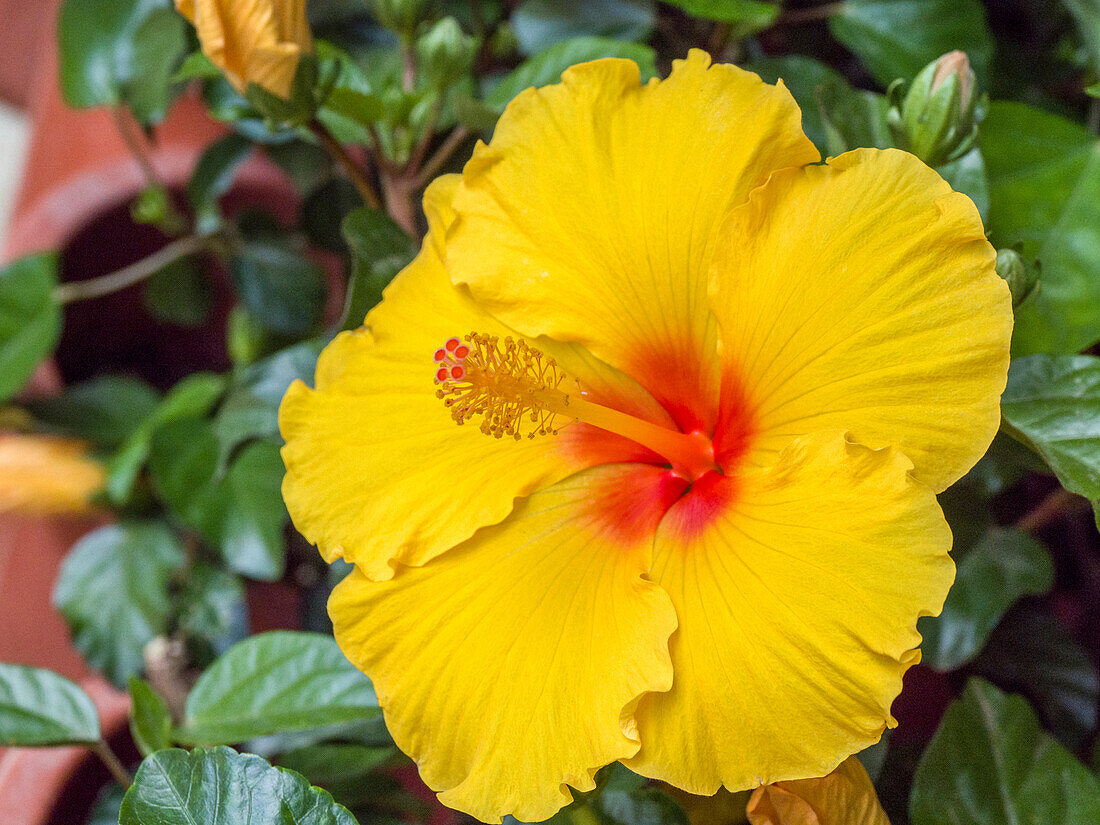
x: 26, y: 24
x: 51, y: 786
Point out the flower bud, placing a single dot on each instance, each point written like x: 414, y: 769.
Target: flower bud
x: 47, y: 475
x: 937, y: 118
x: 400, y: 16
x: 1021, y: 278
x: 445, y: 53
x: 252, y: 41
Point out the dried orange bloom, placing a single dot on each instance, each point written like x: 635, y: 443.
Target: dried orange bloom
x: 844, y: 797
x: 637, y: 460
x: 252, y: 41
x: 44, y: 475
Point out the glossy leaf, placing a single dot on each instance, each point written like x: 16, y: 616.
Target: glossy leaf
x: 107, y: 805
x: 1053, y: 402
x: 211, y: 606
x: 379, y: 249
x: 1031, y: 653
x: 40, y: 707
x: 113, y: 591
x: 105, y: 410
x: 1004, y: 565
x: 746, y: 16
x: 1044, y: 178
x: 279, y: 285
x: 539, y: 24
x: 30, y: 318
x: 150, y: 721
x: 179, y: 294
x: 120, y: 51
x: 214, y: 173
x: 990, y: 764
x: 347, y: 771
x: 547, y: 66
x: 808, y: 81
x: 275, y: 682
x: 897, y: 38
x: 223, y: 787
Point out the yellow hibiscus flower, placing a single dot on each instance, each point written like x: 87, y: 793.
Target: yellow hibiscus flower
x: 48, y: 475
x: 759, y: 371
x: 252, y: 41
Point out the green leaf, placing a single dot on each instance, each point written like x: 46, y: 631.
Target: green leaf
x: 1044, y: 178
x: 192, y: 397
x: 279, y: 285
x: 251, y: 409
x: 275, y: 682
x: 747, y: 16
x: 547, y: 66
x: 121, y: 51
x: 113, y: 591
x: 30, y: 318
x: 809, y: 81
x: 1003, y: 566
x: 323, y: 211
x: 39, y: 707
x: 223, y: 787
x: 211, y: 606
x: 1053, y: 403
x: 640, y: 806
x: 990, y: 764
x: 196, y: 66
x: 1087, y: 15
x: 1031, y: 653
x: 107, y: 804
x: 540, y: 24
x: 968, y: 175
x: 852, y: 119
x: 150, y: 721
x: 344, y: 770
x: 215, y: 171
x: 179, y: 294
x: 897, y: 38
x: 380, y: 249
x: 104, y: 410
x: 1093, y: 90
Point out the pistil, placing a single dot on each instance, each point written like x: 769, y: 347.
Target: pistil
x: 515, y: 388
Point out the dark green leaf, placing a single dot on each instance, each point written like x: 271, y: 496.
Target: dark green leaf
x: 215, y: 171
x: 540, y: 24
x: 641, y: 806
x: 1087, y: 15
x: 1003, y: 566
x: 251, y: 409
x: 278, y: 285
x: 747, y: 16
x: 276, y: 682
x: 180, y: 294
x: 107, y: 804
x: 1031, y: 653
x: 897, y: 38
x: 852, y: 119
x: 183, y: 462
x: 967, y: 175
x: 323, y: 211
x: 192, y: 397
x: 113, y: 591
x: 1044, y: 178
x: 990, y: 764
x: 351, y: 106
x: 306, y: 164
x: 39, y: 707
x: 809, y: 81
x: 250, y: 535
x: 380, y: 249
x: 223, y: 787
x: 120, y: 51
x: 104, y: 410
x: 197, y: 66
x: 150, y: 721
x: 547, y: 66
x: 30, y: 318
x: 346, y: 771
x: 1053, y: 402
x: 211, y: 606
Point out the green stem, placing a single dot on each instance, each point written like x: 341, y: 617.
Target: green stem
x: 338, y: 153
x: 442, y: 155
x: 134, y: 273
x: 108, y: 758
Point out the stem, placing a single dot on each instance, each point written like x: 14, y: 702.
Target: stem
x: 1048, y: 510
x: 718, y: 38
x: 1094, y: 115
x: 125, y: 125
x: 809, y: 14
x: 408, y: 63
x: 441, y: 156
x: 338, y: 153
x: 398, y: 192
x: 108, y: 758
x: 134, y: 273
x: 425, y: 138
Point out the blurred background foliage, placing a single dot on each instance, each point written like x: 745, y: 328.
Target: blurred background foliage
x: 999, y: 724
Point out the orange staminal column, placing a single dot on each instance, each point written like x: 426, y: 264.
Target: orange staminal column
x: 515, y: 388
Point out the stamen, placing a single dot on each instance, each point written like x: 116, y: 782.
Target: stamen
x: 515, y: 389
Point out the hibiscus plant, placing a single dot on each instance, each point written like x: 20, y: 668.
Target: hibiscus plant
x: 625, y: 402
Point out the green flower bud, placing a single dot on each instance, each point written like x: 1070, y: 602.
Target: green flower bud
x: 937, y: 117
x: 445, y: 53
x: 1021, y: 278
x: 400, y: 16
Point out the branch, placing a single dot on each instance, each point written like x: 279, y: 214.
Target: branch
x: 338, y: 153
x: 134, y: 273
x: 442, y: 155
x: 108, y: 758
x: 1050, y: 508
x: 808, y: 14
x: 125, y: 125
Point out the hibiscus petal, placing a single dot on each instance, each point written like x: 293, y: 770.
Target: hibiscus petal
x: 797, y: 608
x: 592, y: 214
x: 510, y: 667
x: 377, y: 470
x: 844, y: 797
x: 862, y: 296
